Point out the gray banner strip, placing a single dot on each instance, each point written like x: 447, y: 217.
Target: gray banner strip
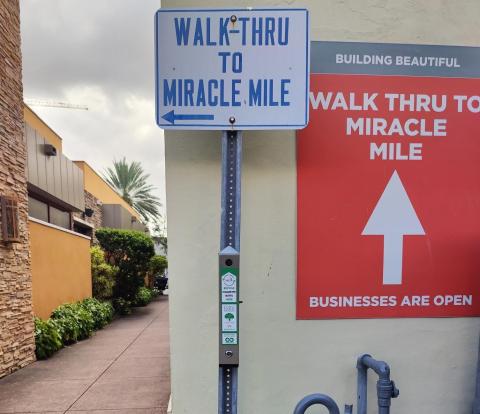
x: 395, y: 59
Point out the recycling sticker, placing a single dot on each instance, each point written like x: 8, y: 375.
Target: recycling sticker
x: 229, y: 318
x: 229, y: 338
x: 229, y: 305
x: 229, y: 288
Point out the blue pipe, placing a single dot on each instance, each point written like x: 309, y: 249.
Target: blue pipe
x: 476, y: 401
x: 386, y: 389
x: 317, y: 399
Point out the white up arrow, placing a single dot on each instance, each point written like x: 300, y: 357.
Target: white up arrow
x: 393, y: 218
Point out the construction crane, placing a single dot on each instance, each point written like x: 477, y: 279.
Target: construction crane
x: 54, y: 104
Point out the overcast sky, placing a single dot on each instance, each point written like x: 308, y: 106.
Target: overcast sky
x: 97, y: 53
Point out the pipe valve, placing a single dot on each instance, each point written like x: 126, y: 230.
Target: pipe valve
x: 395, y: 390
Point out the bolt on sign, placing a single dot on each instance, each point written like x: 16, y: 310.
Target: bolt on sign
x: 232, y: 68
x: 389, y: 183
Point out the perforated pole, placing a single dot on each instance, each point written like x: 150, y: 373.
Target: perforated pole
x: 229, y: 260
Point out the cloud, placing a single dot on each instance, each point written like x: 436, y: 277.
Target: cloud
x: 100, y: 54
x: 88, y: 42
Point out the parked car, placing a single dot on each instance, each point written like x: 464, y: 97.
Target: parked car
x: 161, y: 282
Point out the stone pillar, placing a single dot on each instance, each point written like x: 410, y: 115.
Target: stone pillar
x: 96, y: 219
x: 17, y: 344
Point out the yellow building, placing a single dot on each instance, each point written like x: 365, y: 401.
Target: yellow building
x: 60, y: 257
x: 66, y: 201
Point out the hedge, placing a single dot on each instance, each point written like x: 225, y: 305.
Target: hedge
x: 103, y: 274
x: 144, y: 297
x: 158, y: 264
x: 130, y: 251
x: 70, y: 323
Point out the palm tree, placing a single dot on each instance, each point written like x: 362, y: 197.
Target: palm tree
x: 130, y: 181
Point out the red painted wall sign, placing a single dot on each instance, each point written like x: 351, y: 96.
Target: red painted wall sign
x: 389, y: 196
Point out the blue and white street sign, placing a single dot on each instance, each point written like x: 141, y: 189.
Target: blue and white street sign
x: 232, y: 68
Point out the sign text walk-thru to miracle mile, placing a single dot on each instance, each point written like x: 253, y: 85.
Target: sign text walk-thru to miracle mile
x: 232, y: 68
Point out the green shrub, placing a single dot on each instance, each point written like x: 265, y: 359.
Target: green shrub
x: 103, y: 274
x: 156, y: 270
x: 47, y: 338
x: 131, y: 252
x: 69, y: 323
x: 144, y: 297
x: 122, y: 306
x: 158, y: 264
x: 73, y: 321
x: 101, y: 312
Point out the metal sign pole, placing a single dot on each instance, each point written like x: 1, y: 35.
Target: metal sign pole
x: 237, y: 79
x: 229, y: 261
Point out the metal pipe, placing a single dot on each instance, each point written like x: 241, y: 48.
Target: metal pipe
x: 380, y: 367
x: 317, y: 399
x: 386, y: 389
x: 361, y: 388
x: 476, y: 401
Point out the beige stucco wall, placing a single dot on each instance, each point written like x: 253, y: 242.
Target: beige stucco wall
x: 433, y: 360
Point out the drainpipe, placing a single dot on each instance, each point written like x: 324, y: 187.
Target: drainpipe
x: 476, y: 402
x: 317, y: 399
x: 386, y: 389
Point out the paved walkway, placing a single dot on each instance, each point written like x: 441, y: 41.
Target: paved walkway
x: 122, y: 369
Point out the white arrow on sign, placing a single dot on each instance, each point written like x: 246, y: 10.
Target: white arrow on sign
x: 393, y: 217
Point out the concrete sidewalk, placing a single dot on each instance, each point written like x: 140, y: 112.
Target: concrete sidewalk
x: 122, y: 369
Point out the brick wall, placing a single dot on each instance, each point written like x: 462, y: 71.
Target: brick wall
x: 17, y: 343
x: 92, y: 202
x: 96, y: 219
